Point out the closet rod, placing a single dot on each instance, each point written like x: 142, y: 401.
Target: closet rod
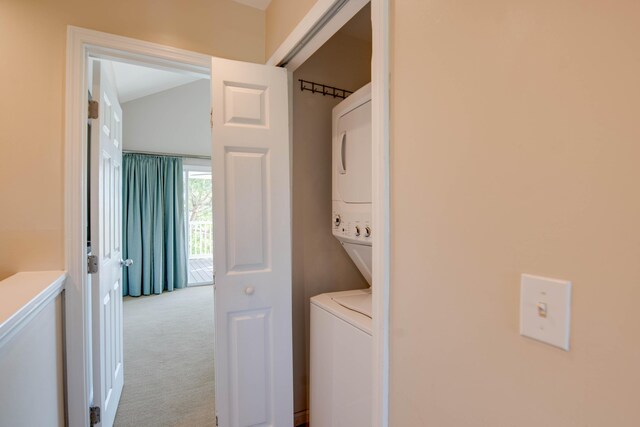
x: 151, y: 153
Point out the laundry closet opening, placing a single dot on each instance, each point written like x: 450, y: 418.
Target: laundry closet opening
x: 150, y: 199
x: 320, y: 262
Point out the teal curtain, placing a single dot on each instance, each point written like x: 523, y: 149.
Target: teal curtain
x: 153, y: 224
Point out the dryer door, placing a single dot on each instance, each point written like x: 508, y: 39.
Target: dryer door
x: 353, y: 149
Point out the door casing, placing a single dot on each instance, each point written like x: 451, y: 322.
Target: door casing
x: 82, y: 43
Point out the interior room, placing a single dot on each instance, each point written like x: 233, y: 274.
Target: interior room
x: 504, y: 215
x: 160, y: 120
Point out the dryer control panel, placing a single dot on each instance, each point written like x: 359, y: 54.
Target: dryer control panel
x: 353, y: 227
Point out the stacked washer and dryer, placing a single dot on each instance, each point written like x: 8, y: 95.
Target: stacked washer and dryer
x: 341, y: 343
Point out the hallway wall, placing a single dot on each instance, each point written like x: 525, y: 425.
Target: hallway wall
x: 282, y: 16
x: 515, y: 147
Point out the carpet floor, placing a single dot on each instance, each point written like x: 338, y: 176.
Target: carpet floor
x: 168, y: 360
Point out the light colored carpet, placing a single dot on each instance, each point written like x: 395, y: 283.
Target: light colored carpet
x: 168, y: 360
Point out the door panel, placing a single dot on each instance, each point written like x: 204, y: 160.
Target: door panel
x: 247, y: 218
x: 251, y: 366
x: 252, y: 222
x: 106, y: 223
x: 245, y: 104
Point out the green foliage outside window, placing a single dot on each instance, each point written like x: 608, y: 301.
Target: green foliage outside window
x: 200, y: 211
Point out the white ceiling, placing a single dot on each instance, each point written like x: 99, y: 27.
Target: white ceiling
x: 134, y: 81
x: 258, y: 4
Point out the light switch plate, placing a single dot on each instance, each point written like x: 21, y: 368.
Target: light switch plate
x: 545, y: 310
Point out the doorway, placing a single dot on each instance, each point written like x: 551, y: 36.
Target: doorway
x: 150, y: 144
x: 324, y: 20
x: 250, y: 168
x: 342, y: 65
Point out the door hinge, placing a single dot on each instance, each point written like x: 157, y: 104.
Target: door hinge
x: 94, y: 415
x: 216, y: 420
x: 93, y: 109
x: 211, y: 118
x: 92, y: 264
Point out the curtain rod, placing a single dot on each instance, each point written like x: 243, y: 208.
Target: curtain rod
x: 151, y: 153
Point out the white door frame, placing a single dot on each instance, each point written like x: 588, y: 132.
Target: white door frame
x: 80, y: 44
x: 380, y: 160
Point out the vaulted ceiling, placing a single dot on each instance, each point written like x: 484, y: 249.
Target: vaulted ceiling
x: 133, y: 81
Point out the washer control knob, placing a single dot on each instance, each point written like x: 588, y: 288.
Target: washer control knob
x: 337, y: 220
x: 357, y: 230
x: 367, y: 231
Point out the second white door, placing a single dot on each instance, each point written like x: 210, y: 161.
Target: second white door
x: 252, y: 226
x: 106, y: 246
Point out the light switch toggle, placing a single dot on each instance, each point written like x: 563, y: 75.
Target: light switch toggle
x: 545, y: 309
x: 542, y: 309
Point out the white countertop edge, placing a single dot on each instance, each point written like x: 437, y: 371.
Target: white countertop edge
x: 37, y: 302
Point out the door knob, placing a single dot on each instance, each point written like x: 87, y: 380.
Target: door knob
x: 249, y: 290
x: 126, y: 263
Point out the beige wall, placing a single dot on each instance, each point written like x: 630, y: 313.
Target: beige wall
x: 320, y: 264
x: 281, y: 18
x: 515, y: 148
x: 32, y: 73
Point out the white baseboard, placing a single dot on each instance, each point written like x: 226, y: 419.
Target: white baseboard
x: 300, y: 418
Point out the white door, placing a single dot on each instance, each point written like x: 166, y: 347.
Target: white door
x: 106, y: 245
x: 252, y: 227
